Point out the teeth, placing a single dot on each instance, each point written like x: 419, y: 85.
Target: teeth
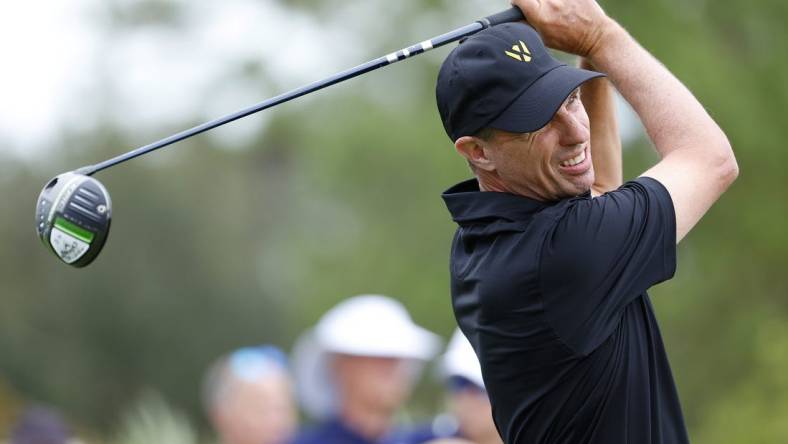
x: 575, y: 160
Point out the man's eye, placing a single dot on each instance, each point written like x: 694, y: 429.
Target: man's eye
x: 573, y: 99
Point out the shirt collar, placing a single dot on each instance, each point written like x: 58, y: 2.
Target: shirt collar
x: 467, y: 203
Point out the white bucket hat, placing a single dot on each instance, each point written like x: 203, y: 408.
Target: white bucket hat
x: 366, y: 325
x: 461, y: 360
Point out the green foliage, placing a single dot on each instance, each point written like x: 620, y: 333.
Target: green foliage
x: 756, y: 405
x: 153, y: 421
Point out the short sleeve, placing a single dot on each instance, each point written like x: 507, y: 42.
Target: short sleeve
x: 603, y: 253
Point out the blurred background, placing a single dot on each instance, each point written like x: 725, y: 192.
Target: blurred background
x: 249, y: 233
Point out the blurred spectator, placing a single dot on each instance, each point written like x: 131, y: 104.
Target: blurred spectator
x: 249, y: 399
x: 356, y: 368
x: 40, y: 425
x: 468, y: 400
x: 470, y: 413
x: 449, y: 441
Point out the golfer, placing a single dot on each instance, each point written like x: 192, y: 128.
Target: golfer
x: 549, y: 265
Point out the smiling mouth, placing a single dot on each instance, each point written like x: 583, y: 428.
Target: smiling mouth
x: 577, y: 165
x: 575, y: 160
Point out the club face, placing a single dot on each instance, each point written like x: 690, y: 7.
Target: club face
x: 73, y: 216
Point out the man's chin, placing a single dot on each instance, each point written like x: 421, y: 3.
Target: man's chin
x: 582, y: 185
x: 574, y: 189
x: 585, y: 191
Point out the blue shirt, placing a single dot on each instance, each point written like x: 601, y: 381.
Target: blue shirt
x: 334, y: 431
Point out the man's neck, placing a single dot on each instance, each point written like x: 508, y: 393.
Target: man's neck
x: 368, y: 423
x: 491, y: 182
x: 491, y: 439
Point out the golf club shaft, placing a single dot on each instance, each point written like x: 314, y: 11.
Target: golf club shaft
x: 511, y: 15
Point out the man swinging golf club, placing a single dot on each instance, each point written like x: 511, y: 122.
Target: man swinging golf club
x: 550, y: 264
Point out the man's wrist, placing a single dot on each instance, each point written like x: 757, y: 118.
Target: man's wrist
x: 609, y: 34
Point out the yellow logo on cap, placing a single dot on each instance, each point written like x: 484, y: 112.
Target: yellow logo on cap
x: 520, y: 53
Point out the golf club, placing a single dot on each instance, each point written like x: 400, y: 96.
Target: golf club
x: 74, y: 210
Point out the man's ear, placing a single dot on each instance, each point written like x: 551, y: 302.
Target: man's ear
x: 475, y: 150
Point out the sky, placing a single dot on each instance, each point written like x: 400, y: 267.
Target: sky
x: 68, y: 65
x: 45, y: 49
x: 63, y: 69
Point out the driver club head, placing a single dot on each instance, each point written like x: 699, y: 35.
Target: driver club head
x: 73, y: 215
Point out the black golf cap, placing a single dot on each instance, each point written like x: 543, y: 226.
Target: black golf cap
x: 504, y: 78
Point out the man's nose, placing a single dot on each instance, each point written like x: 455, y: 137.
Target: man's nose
x: 572, y: 131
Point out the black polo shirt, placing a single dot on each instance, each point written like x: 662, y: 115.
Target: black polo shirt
x: 552, y: 296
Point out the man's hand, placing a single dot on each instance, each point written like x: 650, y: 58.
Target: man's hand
x: 573, y: 26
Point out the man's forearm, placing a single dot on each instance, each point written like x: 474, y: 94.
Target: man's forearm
x: 673, y: 118
x: 697, y: 163
x: 598, y: 98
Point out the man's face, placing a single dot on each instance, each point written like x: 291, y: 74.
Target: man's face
x: 551, y: 163
x: 377, y: 384
x: 256, y: 412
